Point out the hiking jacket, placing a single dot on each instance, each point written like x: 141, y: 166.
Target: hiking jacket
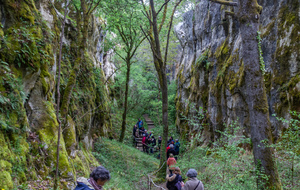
x: 83, y: 184
x: 177, y: 145
x: 144, y: 140
x: 140, y: 124
x: 171, y: 163
x: 172, y: 179
x: 192, y: 183
x: 134, y: 131
x: 171, y: 150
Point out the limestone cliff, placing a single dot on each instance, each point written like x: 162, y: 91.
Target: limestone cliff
x: 29, y: 47
x: 210, y: 71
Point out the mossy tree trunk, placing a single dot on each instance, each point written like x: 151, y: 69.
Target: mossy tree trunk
x: 254, y: 93
x: 58, y: 94
x: 256, y: 98
x: 84, y: 13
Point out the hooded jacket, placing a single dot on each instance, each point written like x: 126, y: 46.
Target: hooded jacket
x: 191, y: 184
x: 83, y: 184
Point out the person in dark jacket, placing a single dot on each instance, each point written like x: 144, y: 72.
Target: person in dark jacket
x: 170, y: 141
x: 173, y: 179
x: 97, y: 179
x: 159, y: 141
x: 171, y: 150
x: 134, y: 131
x: 177, y: 145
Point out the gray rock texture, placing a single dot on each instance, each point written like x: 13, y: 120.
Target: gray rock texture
x: 210, y: 71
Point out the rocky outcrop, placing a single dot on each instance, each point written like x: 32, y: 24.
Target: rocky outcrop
x: 29, y: 44
x: 210, y: 71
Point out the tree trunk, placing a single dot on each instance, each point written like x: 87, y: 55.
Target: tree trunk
x: 58, y: 96
x: 164, y: 90
x: 255, y: 95
x: 160, y: 67
x: 125, y: 102
x: 70, y: 85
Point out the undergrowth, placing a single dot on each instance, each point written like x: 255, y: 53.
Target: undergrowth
x: 127, y: 165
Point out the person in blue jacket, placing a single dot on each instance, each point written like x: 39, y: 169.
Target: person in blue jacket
x: 140, y: 123
x: 177, y: 145
x: 97, y: 179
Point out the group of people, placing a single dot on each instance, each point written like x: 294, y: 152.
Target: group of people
x: 175, y: 181
x: 101, y: 175
x: 172, y: 147
x: 148, y: 139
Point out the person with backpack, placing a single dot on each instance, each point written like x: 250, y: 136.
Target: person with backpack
x: 170, y: 150
x: 174, y: 180
x: 193, y: 183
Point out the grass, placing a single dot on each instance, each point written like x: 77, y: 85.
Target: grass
x: 224, y: 169
x: 128, y: 166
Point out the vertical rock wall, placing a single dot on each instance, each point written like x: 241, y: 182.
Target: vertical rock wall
x: 29, y: 46
x: 210, y: 71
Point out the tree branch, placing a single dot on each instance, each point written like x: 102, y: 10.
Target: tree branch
x: 169, y: 31
x: 162, y: 6
x: 92, y: 9
x: 112, y: 74
x: 151, y: 45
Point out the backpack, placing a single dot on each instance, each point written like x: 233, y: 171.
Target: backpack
x: 178, y: 183
x: 174, y: 182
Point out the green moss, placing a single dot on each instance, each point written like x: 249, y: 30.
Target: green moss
x: 5, y: 166
x: 5, y: 152
x: 222, y: 51
x: 70, y: 135
x: 269, y: 28
x: 6, y: 180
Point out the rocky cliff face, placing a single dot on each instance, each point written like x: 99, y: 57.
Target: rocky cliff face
x: 210, y: 72
x: 29, y: 48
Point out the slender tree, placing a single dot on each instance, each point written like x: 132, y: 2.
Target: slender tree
x: 160, y: 59
x: 255, y: 94
x: 67, y: 3
x: 123, y: 17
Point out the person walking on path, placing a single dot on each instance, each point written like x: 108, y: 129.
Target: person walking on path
x: 171, y: 162
x: 170, y: 141
x: 97, y: 179
x: 174, y: 180
x: 193, y: 183
x: 171, y: 151
x: 140, y: 123
x: 159, y: 141
x: 134, y: 131
x: 141, y: 131
x: 177, y: 145
x: 144, y: 143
